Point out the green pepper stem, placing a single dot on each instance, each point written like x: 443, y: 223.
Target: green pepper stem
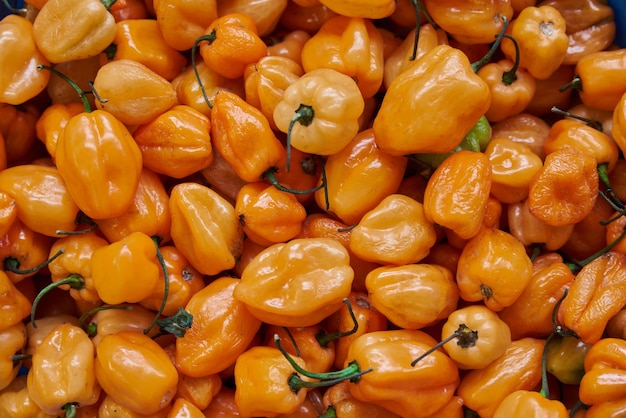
x: 81, y: 219
x: 166, y: 279
x: 12, y: 264
x: 18, y: 357
x: 578, y: 405
x: 304, y: 116
x: 70, y: 409
x: 209, y: 38
x: 108, y: 3
x: 545, y: 388
x: 494, y: 47
x: 15, y: 10
x: 325, y: 183
x: 510, y: 77
x: 91, y: 328
x: 418, y: 20
x: 324, y: 338
x: 577, y: 264
x: 95, y: 93
x: 575, y: 84
x: 589, y: 122
x: 330, y: 412
x: 466, y: 337
x: 81, y: 93
x: 177, y: 324
x: 270, y: 176
x: 296, y: 383
x: 603, y: 174
x: 75, y: 281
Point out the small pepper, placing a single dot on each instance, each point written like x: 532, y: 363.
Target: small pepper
x: 605, y: 374
x: 13, y: 342
x: 565, y: 357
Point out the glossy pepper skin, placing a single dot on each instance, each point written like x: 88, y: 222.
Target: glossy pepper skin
x: 64, y: 360
x: 105, y: 187
x: 344, y: 405
x: 125, y: 361
x: 396, y: 385
x: 52, y: 121
x: 441, y: 78
x: 19, y: 58
x: 318, y: 267
x: 182, y: 22
x: 12, y: 341
x: 594, y: 73
x: 14, y: 306
x: 371, y: 9
x: 205, y: 228
x: 565, y: 359
x: 594, y: 297
x: 222, y: 330
x: 126, y: 270
x: 352, y: 46
x: 618, y: 129
x: 67, y: 30
x: 25, y: 248
x: 43, y: 201
x: 604, y: 377
x: 327, y: 105
x: 532, y: 231
x: 526, y: 403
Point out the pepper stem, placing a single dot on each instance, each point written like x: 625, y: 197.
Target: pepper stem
x: 418, y: 20
x: 575, y: 84
x: 304, y: 116
x: 330, y: 412
x: 576, y: 264
x: 324, y: 338
x: 81, y: 93
x: 12, y: 264
x: 81, y: 219
x: 270, y: 176
x: 166, y: 279
x: 177, y: 324
x: 209, y: 38
x: 70, y: 409
x: 18, y: 357
x: 75, y: 281
x: 466, y: 337
x: 603, y: 174
x: 510, y: 77
x: 296, y: 383
x: 92, y: 328
x: 494, y: 47
x: 589, y: 122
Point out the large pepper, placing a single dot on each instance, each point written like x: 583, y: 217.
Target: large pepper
x: 66, y: 30
x: 352, y: 46
x: 441, y: 78
x: 222, y: 331
x: 64, y: 360
x: 19, y: 58
x: 317, y: 267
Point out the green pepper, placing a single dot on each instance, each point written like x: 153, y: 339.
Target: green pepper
x: 565, y: 359
x: 475, y: 140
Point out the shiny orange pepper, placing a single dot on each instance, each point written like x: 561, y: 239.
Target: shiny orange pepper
x: 13, y: 342
x: 519, y: 368
x: 392, y: 291
x: 22, y: 251
x: 542, y: 38
x: 234, y: 124
x: 339, y: 399
x: 64, y: 359
x: 266, y: 80
x: 126, y: 270
x: 442, y: 75
x: 549, y: 92
x: 290, y: 46
x: 176, y: 143
x: 523, y: 128
x: 370, y: 9
x: 133, y: 318
x: 52, y: 121
x: 318, y: 267
x: 532, y: 231
x: 525, y: 403
x: 265, y: 13
x: 15, y: 401
x: 43, y: 202
x: 223, y: 405
x: 182, y: 408
x: 396, y: 231
x: 8, y: 213
x: 110, y: 408
x: 492, y: 339
x: 125, y: 361
x: 456, y: 194
x: 222, y: 330
x: 105, y: 188
x: 485, y: 271
x: 141, y: 40
x: 149, y: 212
x: 19, y: 57
x: 350, y: 45
x: 306, y: 18
x: 132, y: 9
x: 199, y: 390
x: 472, y: 22
x: 594, y: 297
x: 205, y: 228
x: 181, y: 22
x: 618, y: 129
x: 121, y: 84
x: 360, y: 163
x: 396, y: 385
x: 605, y: 374
x: 230, y: 43
x: 66, y: 31
x: 268, y: 215
x: 565, y: 189
x: 531, y: 314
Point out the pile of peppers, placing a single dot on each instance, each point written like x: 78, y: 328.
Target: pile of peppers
x: 312, y: 208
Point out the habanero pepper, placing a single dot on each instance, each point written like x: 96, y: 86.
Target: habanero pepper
x: 110, y: 408
x: 318, y: 267
x: 265, y: 13
x: 67, y: 30
x: 290, y: 46
x: 82, y: 72
x: 182, y: 22
x: 23, y: 251
x: 523, y: 128
x: 181, y: 407
x: 18, y: 130
x: 339, y: 401
x: 524, y: 403
x: 353, y: 46
x: 532, y: 231
x: 133, y: 318
x: 369, y: 9
x: 200, y: 391
x: 13, y: 342
x: 412, y: 296
x: 441, y: 78
x: 52, y: 121
x: 618, y: 130
x: 565, y: 357
x: 19, y: 58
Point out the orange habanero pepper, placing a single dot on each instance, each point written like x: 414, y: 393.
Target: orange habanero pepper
x: 13, y: 342
x: 133, y: 318
x: 318, y: 267
x: 339, y: 401
x: 222, y: 331
x: 265, y: 13
x: 353, y: 46
x: 369, y: 9
x: 23, y: 251
x: 182, y: 408
x: 230, y: 43
x: 525, y: 403
x: 125, y: 362
x: 205, y: 228
x: 82, y: 72
x: 19, y: 58
x: 523, y: 128
x: 182, y: 22
x: 110, y: 408
x: 19, y: 130
x: 493, y: 267
x: 52, y: 121
x: 290, y: 46
x: 16, y: 403
x: 532, y: 231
